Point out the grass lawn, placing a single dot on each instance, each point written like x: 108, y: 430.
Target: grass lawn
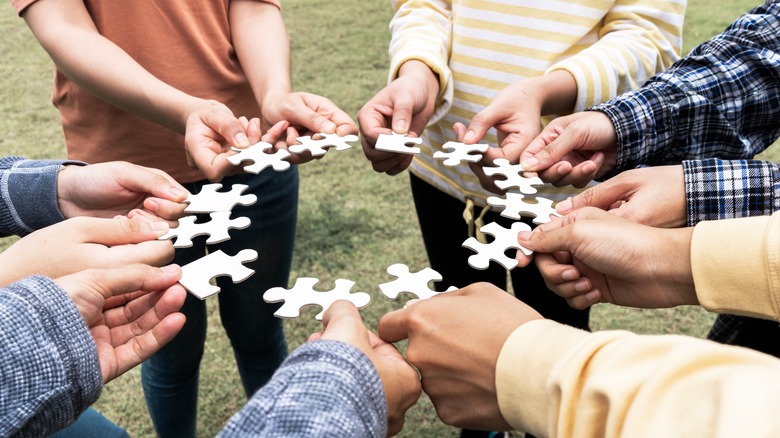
x: 353, y: 223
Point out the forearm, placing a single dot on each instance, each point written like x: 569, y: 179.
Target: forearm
x: 103, y: 68
x: 719, y: 189
x: 325, y: 388
x: 705, y: 105
x: 638, y: 39
x: 262, y: 46
x: 735, y: 266
x: 50, y: 361
x: 611, y: 384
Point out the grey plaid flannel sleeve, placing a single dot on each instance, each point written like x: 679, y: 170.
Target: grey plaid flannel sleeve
x: 324, y: 388
x: 49, y: 364
x: 28, y: 194
x: 722, y: 100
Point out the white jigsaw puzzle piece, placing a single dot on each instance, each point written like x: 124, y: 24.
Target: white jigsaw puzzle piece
x: 516, y: 206
x: 415, y: 283
x: 316, y: 146
x: 513, y: 175
x: 217, y: 229
x: 210, y: 200
x: 196, y: 276
x: 398, y: 143
x: 262, y: 159
x: 460, y: 152
x: 504, y: 238
x: 303, y: 294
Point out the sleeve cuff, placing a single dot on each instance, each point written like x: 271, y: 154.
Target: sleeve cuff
x: 735, y: 265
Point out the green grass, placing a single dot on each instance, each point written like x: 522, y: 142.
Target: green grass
x: 352, y: 222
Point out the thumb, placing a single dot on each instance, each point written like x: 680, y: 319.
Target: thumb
x: 554, y: 150
x: 118, y: 230
x: 118, y: 281
x: 481, y: 123
x: 342, y: 322
x: 392, y: 327
x: 222, y: 121
x: 602, y: 196
x: 141, y: 179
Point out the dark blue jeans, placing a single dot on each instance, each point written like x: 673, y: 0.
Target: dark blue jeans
x: 92, y: 425
x: 170, y: 377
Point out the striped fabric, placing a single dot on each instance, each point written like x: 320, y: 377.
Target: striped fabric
x: 480, y: 47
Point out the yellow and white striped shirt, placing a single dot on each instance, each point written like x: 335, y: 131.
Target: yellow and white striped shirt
x: 478, y: 47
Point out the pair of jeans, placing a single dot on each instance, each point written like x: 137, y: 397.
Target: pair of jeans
x: 170, y: 377
x: 91, y: 424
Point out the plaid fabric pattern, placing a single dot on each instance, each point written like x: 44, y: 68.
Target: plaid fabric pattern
x: 50, y: 367
x: 324, y: 388
x: 722, y: 100
x: 718, y: 189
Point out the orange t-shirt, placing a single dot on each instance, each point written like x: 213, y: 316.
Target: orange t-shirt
x: 185, y: 44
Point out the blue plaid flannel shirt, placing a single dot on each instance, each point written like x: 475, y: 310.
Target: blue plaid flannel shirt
x: 722, y: 100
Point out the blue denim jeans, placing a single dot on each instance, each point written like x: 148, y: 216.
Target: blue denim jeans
x: 91, y: 424
x: 170, y: 377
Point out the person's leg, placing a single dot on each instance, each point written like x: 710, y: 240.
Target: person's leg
x: 170, y: 377
x: 91, y: 424
x: 444, y: 231
x: 257, y: 337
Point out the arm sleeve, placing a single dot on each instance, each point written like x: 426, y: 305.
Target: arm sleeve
x: 639, y: 39
x: 736, y: 266
x: 49, y: 367
x: 28, y: 194
x: 422, y: 30
x: 719, y: 189
x: 723, y: 99
x: 554, y: 380
x: 325, y: 388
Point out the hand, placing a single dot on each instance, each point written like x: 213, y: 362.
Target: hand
x: 653, y: 196
x: 131, y: 311
x: 516, y: 114
x: 83, y: 243
x: 403, y: 107
x: 307, y: 114
x: 454, y: 342
x: 343, y: 323
x: 116, y: 188
x: 573, y: 150
x: 210, y: 132
x: 592, y: 256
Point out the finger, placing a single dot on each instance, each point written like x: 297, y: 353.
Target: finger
x: 147, y: 216
x: 117, y: 231
x: 164, y: 209
x: 602, y: 196
x: 403, y: 109
x: 554, y: 272
x: 143, y: 313
x: 584, y: 301
x: 275, y: 132
x: 121, y: 280
x: 584, y: 172
x: 141, y: 179
x: 342, y: 322
x: 392, y: 327
x: 254, y: 130
x: 311, y: 119
x: 153, y: 253
x: 220, y: 119
x: 551, y: 153
x: 480, y: 124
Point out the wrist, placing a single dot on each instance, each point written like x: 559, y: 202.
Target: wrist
x: 678, y: 250
x: 420, y: 73
x: 555, y: 92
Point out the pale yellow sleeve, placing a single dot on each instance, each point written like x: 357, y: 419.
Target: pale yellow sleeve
x: 639, y: 38
x: 422, y: 30
x: 736, y: 266
x: 557, y: 381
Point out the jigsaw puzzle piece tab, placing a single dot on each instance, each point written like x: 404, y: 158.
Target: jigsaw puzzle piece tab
x: 515, y: 206
x: 196, y: 276
x: 262, y: 159
x: 316, y: 146
x: 415, y: 283
x: 513, y: 174
x: 210, y: 199
x: 217, y: 229
x: 398, y: 143
x: 458, y: 152
x: 503, y: 240
x: 302, y: 294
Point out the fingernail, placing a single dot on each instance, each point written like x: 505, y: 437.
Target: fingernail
x: 242, y: 139
x: 529, y: 163
x: 470, y: 136
x: 593, y: 296
x: 569, y: 275
x: 524, y: 235
x: 151, y: 205
x: 400, y: 126
x: 178, y: 193
x: 328, y: 127
x: 582, y: 286
x: 564, y: 206
x: 411, y: 303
